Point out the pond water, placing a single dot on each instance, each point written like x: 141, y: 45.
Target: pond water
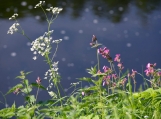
x: 131, y: 28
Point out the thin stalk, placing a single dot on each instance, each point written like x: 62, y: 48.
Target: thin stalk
x: 22, y: 32
x: 59, y: 94
x: 50, y: 65
x: 27, y: 37
x: 55, y: 52
x: 4, y: 99
x: 98, y: 59
x: 44, y: 13
x: 37, y: 94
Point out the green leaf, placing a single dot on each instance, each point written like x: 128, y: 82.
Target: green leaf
x: 96, y: 45
x: 30, y: 99
x: 99, y: 74
x: 20, y: 77
x: 7, y: 112
x: 92, y: 71
x: 26, y: 82
x: 27, y: 90
x: 86, y: 79
x: 14, y: 88
x: 23, y: 75
x: 86, y: 117
x: 38, y: 86
x: 96, y: 117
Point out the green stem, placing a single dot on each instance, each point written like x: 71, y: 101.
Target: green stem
x: 55, y: 52
x: 44, y: 13
x: 37, y: 94
x: 98, y: 60
x: 4, y: 98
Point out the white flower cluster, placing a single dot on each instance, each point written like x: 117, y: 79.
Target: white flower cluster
x: 74, y: 83
x: 52, y: 94
x: 51, y: 74
x: 42, y: 44
x: 13, y: 16
x: 39, y: 4
x: 54, y: 10
x: 13, y: 28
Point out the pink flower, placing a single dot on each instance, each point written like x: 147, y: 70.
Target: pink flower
x: 117, y: 58
x: 104, y: 83
x: 114, y: 76
x: 147, y: 72
x: 83, y: 93
x: 150, y: 69
x: 38, y: 81
x: 106, y: 80
x: 159, y: 73
x: 17, y: 91
x: 123, y: 81
x: 99, y: 72
x: 105, y: 68
x: 94, y: 39
x: 133, y: 73
x: 120, y: 65
x: 105, y: 53
x: 148, y: 66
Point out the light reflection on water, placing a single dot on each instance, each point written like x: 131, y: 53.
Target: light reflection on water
x: 136, y: 35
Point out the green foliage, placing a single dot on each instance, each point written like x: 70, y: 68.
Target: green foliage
x: 8, y: 112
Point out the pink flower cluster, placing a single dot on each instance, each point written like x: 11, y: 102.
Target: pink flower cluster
x: 38, y: 81
x: 106, y: 79
x: 133, y: 74
x: 105, y: 53
x: 17, y: 90
x: 120, y: 64
x: 150, y: 69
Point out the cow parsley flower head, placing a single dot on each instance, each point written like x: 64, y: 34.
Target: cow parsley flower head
x: 54, y: 10
x: 13, y: 16
x: 39, y: 4
x: 13, y: 28
x: 42, y: 45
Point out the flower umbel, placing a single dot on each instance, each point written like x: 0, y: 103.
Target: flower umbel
x: 39, y: 4
x: 13, y: 28
x: 55, y: 10
x: 42, y: 45
x: 13, y: 16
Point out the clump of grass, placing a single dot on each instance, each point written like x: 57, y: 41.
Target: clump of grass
x: 111, y: 94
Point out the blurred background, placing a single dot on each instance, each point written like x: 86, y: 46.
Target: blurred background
x: 131, y: 28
